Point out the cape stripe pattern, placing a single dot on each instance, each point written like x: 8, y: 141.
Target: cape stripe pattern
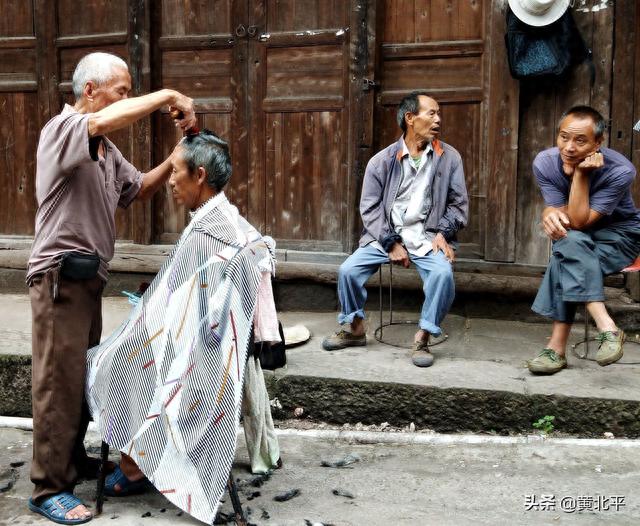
x: 166, y: 387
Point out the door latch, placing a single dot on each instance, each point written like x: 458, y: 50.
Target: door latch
x: 369, y: 84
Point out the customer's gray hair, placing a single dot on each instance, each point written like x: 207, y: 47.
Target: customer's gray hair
x: 95, y: 67
x: 208, y: 150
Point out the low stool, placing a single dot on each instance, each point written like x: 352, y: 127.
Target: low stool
x: 379, y: 332
x: 634, y: 267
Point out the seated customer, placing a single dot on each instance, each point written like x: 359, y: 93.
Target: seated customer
x: 166, y: 387
x: 414, y: 201
x: 595, y: 229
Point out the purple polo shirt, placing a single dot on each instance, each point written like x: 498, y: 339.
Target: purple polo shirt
x: 609, y: 188
x: 77, y: 193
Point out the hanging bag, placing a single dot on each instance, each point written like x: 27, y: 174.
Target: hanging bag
x: 546, y: 51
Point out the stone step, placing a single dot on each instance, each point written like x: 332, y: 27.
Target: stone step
x: 478, y: 383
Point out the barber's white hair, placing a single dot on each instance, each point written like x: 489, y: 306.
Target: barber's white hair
x: 96, y: 67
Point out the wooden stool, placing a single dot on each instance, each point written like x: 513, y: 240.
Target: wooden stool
x: 379, y: 334
x: 634, y: 267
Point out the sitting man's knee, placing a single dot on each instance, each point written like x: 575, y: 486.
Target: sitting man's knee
x: 346, y: 268
x: 442, y: 274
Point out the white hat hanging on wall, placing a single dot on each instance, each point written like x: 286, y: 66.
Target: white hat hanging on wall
x: 538, y: 12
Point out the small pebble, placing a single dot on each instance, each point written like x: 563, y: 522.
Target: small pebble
x: 147, y: 514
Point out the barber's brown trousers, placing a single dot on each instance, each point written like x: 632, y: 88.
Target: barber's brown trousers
x: 67, y: 320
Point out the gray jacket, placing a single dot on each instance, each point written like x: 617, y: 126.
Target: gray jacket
x: 449, y: 204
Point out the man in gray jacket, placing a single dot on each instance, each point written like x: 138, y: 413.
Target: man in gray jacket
x: 414, y: 201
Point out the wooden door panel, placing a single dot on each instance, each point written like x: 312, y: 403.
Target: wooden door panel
x: 18, y: 134
x: 198, y: 17
x: 203, y: 74
x: 17, y: 19
x: 198, y: 54
x: 304, y: 73
x: 298, y: 183
x: 98, y: 17
x: 299, y: 151
x: 19, y: 126
x: 432, y: 20
x: 304, y: 15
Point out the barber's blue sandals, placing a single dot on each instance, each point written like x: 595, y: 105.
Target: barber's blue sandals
x: 127, y: 487
x: 57, y: 506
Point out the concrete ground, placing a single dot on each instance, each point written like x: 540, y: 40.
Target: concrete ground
x: 448, y: 483
x: 479, y: 381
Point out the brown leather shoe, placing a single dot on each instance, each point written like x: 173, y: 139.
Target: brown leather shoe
x: 421, y: 355
x: 343, y: 339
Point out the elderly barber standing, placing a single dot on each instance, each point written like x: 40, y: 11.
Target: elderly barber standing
x: 414, y: 201
x: 81, y: 178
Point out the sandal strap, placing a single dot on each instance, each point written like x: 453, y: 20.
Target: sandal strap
x: 61, y: 504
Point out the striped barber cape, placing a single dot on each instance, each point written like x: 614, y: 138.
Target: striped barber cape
x: 166, y: 387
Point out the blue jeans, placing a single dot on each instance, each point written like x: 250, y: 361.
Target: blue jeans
x: 437, y: 284
x: 577, y: 266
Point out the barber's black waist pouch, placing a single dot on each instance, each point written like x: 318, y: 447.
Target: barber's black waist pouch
x: 79, y: 266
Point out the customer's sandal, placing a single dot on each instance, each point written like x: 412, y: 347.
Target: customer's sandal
x: 547, y: 362
x: 125, y: 486
x: 610, y: 348
x: 343, y: 339
x: 420, y: 355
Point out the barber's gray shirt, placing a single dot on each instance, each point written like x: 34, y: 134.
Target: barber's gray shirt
x: 77, y: 194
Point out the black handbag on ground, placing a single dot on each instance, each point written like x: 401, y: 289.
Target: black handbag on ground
x: 79, y: 266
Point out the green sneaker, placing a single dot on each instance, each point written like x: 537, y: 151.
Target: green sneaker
x: 343, y: 339
x: 547, y: 362
x: 610, y: 348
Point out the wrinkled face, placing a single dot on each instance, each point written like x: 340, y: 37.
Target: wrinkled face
x: 185, y: 185
x: 425, y: 123
x: 576, y: 139
x: 116, y: 89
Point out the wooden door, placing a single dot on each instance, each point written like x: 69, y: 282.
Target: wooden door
x: 40, y: 44
x: 20, y: 89
x: 455, y: 52
x: 273, y: 78
x: 299, y: 136
x: 202, y: 52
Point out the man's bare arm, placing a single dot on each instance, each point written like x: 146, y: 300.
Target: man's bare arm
x: 154, y: 179
x: 124, y: 112
x: 581, y: 216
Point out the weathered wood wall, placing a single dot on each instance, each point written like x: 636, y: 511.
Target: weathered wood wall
x: 284, y: 82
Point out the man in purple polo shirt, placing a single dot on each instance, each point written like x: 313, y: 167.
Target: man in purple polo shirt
x: 81, y: 178
x: 595, y: 229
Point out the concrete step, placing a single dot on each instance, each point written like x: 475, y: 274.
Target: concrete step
x: 478, y: 383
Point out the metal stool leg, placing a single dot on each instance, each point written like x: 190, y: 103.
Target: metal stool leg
x: 586, y: 331
x: 104, y: 458
x: 378, y: 333
x: 380, y: 296
x: 240, y: 519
